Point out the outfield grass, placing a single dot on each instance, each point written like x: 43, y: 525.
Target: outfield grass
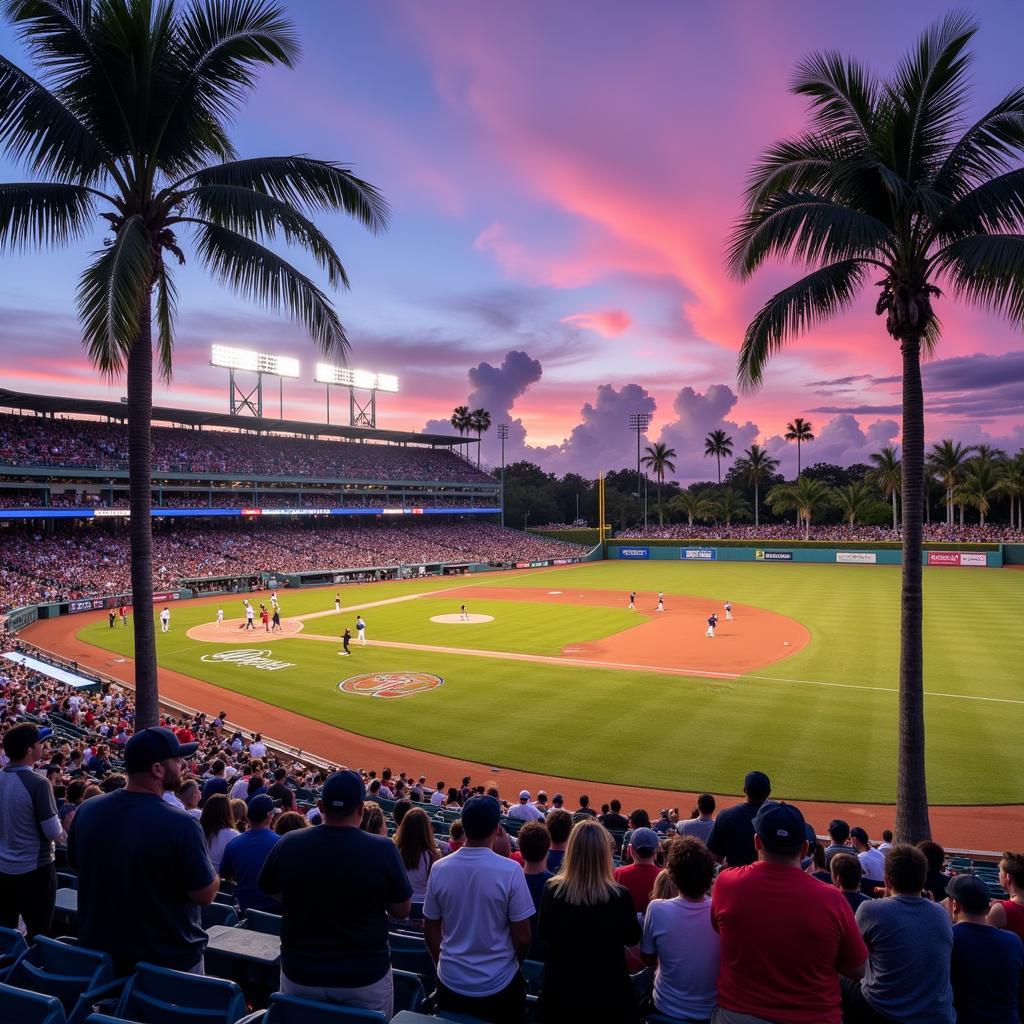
x: 821, y: 722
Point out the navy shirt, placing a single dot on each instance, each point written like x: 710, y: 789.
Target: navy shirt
x: 335, y: 886
x: 987, y: 972
x: 137, y: 858
x: 214, y: 784
x: 243, y: 861
x: 732, y: 836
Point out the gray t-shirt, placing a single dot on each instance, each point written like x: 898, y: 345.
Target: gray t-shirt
x: 28, y: 821
x: 696, y: 827
x: 910, y: 942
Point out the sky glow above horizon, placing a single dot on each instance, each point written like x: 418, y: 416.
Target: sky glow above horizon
x: 563, y: 178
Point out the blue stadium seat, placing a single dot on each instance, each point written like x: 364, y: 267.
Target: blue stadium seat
x: 12, y: 945
x: 218, y: 913
x: 462, y: 1018
x: 261, y: 921
x: 67, y: 880
x: 294, y: 1010
x: 29, y: 1007
x: 76, y: 976
x: 156, y: 995
x: 409, y: 991
x: 409, y: 953
x: 533, y: 973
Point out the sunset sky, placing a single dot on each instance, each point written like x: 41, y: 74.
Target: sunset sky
x: 563, y: 177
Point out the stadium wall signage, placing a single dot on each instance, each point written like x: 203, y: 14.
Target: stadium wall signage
x: 858, y: 557
x: 248, y: 656
x: 390, y: 685
x: 167, y: 513
x: 770, y: 555
x: 698, y: 554
x: 634, y: 552
x: 962, y: 558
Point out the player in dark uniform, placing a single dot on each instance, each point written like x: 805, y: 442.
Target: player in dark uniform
x: 346, y: 639
x: 712, y: 622
x: 632, y: 600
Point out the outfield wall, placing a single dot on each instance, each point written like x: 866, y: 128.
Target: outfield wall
x: 779, y: 552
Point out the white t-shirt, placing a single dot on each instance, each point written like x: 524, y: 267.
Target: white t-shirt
x: 686, y: 981
x: 525, y: 812
x: 240, y: 790
x: 170, y: 798
x: 476, y: 894
x: 872, y: 863
x: 437, y: 798
x: 218, y: 844
x: 258, y: 749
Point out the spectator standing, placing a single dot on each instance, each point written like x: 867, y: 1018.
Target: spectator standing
x: 614, y: 820
x: 936, y: 880
x: 217, y: 782
x: 477, y: 922
x: 559, y: 826
x: 218, y: 824
x: 910, y: 940
x: 586, y: 918
x: 245, y: 855
x: 534, y: 843
x: 732, y: 836
x: 585, y: 810
x: 872, y: 863
x: 162, y: 865
x: 987, y: 967
x: 839, y: 834
x: 418, y: 850
x: 524, y: 810
x: 1009, y: 913
x: 702, y: 825
x: 679, y: 939
x: 337, y: 885
x: 786, y: 938
x: 846, y: 877
x: 29, y: 826
x: 639, y: 877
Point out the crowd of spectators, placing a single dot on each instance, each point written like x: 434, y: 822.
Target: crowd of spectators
x: 834, y: 533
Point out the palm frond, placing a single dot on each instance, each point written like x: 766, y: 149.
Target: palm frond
x: 843, y: 95
x: 111, y: 293
x: 987, y: 271
x: 254, y: 213
x: 42, y: 213
x: 261, y: 275
x: 994, y: 207
x: 166, y: 309
x: 787, y: 314
x: 303, y: 182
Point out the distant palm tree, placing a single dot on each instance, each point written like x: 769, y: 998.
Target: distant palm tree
x: 854, y: 500
x: 461, y: 420
x: 755, y: 467
x: 480, y: 421
x: 809, y: 498
x: 945, y: 462
x: 895, y: 182
x: 887, y: 476
x: 980, y: 483
x: 729, y: 504
x: 693, y: 505
x: 1012, y: 485
x: 659, y: 458
x: 128, y: 121
x: 718, y: 443
x: 800, y: 431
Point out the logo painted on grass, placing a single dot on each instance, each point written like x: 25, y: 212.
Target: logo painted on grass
x: 249, y: 656
x: 390, y: 685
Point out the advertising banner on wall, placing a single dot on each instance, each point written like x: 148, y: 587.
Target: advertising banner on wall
x: 856, y: 557
x: 634, y: 552
x: 969, y: 558
x: 698, y: 554
x: 771, y: 555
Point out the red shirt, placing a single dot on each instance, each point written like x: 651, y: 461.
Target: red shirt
x: 184, y: 735
x: 785, y: 938
x: 1014, y: 917
x: 639, y: 880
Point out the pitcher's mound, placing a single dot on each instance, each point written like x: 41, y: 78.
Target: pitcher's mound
x: 228, y: 632
x: 459, y: 620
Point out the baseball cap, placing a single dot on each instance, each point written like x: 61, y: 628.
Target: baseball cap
x: 757, y: 784
x: 524, y: 794
x: 147, y: 747
x: 260, y: 808
x: 970, y: 892
x: 344, y: 792
x: 480, y: 816
x: 781, y: 827
x: 21, y: 738
x: 859, y: 834
x: 644, y: 839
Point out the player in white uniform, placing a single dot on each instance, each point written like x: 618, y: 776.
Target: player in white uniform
x: 165, y: 621
x: 632, y: 600
x: 337, y: 602
x: 360, y: 630
x: 661, y: 601
x: 463, y: 614
x: 273, y: 599
x: 728, y: 611
x: 220, y: 617
x: 250, y: 616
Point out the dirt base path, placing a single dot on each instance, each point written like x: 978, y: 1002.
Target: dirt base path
x: 991, y: 828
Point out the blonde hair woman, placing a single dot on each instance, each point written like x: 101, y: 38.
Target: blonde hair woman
x: 586, y: 918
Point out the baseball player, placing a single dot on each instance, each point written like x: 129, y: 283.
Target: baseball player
x: 632, y: 600
x: 337, y: 602
x: 712, y: 622
x: 250, y: 616
x: 265, y: 617
x: 123, y: 612
x: 220, y: 617
x: 276, y: 620
x: 463, y: 615
x: 728, y: 611
x: 346, y: 639
x: 273, y: 599
x: 661, y: 601
x: 360, y: 630
x: 165, y: 620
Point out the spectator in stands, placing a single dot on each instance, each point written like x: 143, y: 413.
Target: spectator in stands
x: 280, y: 792
x: 639, y: 876
x: 534, y: 843
x: 161, y: 868
x: 541, y: 803
x: 456, y: 836
x: 524, y: 810
x: 846, y: 877
x: 937, y: 879
x: 872, y: 863
x: 241, y: 813
x: 289, y: 822
x: 244, y: 857
x: 702, y: 825
x: 29, y: 826
x: 559, y: 825
x: 437, y: 798
x: 558, y: 802
x: 584, y: 810
x: 910, y: 940
x: 216, y: 783
x: 839, y: 834
x: 337, y: 885
x: 1009, y: 913
x: 400, y: 810
x: 987, y: 966
x: 188, y: 797
x: 886, y: 842
x: 418, y: 850
x: 477, y: 922
x: 218, y: 824
x: 678, y: 937
x: 586, y: 918
x: 614, y: 820
x: 785, y: 937
x: 732, y: 836
x: 374, y: 821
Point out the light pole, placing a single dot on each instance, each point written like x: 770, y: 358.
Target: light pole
x: 503, y: 435
x: 639, y: 422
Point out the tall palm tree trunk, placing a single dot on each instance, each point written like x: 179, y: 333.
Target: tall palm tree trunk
x: 894, y: 510
x: 798, y: 470
x: 718, y: 459
x: 912, y: 823
x: 140, y: 467
x: 661, y: 513
x: 757, y: 501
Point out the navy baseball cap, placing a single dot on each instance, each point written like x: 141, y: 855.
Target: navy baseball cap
x: 781, y: 828
x: 480, y: 816
x: 260, y: 808
x: 343, y: 792
x: 970, y: 892
x: 147, y: 747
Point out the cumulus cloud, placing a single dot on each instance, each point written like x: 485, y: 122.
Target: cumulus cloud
x: 841, y: 441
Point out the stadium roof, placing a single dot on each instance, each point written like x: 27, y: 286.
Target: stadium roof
x: 53, y: 405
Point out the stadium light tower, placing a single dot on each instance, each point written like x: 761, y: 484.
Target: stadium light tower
x: 639, y: 422
x: 503, y: 435
x: 234, y: 359
x: 361, y: 412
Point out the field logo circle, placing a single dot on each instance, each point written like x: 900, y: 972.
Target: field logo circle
x: 390, y: 685
x: 249, y: 656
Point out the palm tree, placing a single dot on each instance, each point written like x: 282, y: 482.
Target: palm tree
x: 809, y: 498
x: 891, y: 184
x: 659, y: 458
x: 854, y: 500
x: 128, y: 121
x: 718, y: 443
x: 887, y: 476
x: 729, y: 504
x: 945, y: 462
x: 981, y: 481
x: 480, y: 421
x: 799, y: 430
x: 693, y: 505
x: 755, y: 467
x: 461, y: 419
x: 1012, y: 484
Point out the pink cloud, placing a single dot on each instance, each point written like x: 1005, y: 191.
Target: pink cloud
x: 609, y: 323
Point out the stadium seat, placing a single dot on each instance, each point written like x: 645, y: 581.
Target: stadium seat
x: 12, y: 945
x: 218, y: 913
x: 261, y: 921
x: 16, y: 1004
x: 284, y: 1009
x: 533, y: 973
x: 409, y: 991
x: 67, y: 880
x: 462, y: 1018
x: 409, y: 953
x: 156, y: 995
x: 76, y: 976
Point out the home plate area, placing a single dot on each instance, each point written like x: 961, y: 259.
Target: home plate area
x: 461, y: 620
